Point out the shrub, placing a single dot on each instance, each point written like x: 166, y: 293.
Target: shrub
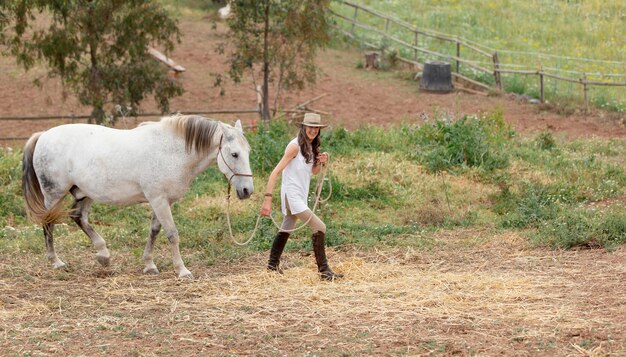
x: 528, y: 208
x: 370, y: 139
x: 582, y: 228
x: 12, y: 210
x: 268, y: 146
x: 545, y: 141
x: 472, y: 141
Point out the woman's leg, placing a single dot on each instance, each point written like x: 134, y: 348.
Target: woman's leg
x: 289, y: 223
x: 314, y: 222
x: 319, y: 248
x: 280, y: 240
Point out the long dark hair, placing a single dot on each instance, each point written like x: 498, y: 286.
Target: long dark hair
x: 311, y: 151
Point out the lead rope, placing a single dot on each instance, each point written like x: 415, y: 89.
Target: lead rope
x: 318, y: 194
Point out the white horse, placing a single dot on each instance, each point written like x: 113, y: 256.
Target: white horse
x: 225, y: 12
x: 155, y: 163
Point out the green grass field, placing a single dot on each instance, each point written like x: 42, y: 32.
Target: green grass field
x: 391, y: 187
x: 569, y: 38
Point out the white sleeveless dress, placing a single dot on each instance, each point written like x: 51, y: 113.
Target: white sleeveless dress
x: 296, y: 179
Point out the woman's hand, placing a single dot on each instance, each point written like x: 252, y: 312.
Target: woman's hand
x: 322, y: 158
x: 266, y: 208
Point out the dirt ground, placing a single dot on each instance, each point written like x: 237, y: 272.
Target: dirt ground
x: 474, y: 295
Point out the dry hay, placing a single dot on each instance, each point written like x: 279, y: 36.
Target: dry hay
x: 393, y: 302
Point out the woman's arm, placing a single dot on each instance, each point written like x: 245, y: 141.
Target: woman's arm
x: 290, y: 153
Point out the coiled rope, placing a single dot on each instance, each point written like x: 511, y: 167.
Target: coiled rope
x: 318, y: 193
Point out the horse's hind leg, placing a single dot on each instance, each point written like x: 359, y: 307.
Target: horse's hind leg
x: 48, y: 229
x: 80, y: 215
x: 155, y: 228
x: 51, y: 199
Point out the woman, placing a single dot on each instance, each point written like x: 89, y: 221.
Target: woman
x: 301, y: 160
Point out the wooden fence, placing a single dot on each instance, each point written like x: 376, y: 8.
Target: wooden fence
x: 462, y: 46
x: 80, y: 118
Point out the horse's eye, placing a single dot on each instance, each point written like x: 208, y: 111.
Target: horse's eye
x: 235, y: 155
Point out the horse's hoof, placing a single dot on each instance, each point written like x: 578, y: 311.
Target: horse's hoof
x: 185, y: 275
x: 104, y: 261
x: 151, y: 271
x: 59, y: 265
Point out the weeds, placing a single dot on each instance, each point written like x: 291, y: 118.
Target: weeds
x: 583, y: 228
x: 472, y: 141
x: 545, y: 141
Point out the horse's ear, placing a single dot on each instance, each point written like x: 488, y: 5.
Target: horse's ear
x: 238, y: 125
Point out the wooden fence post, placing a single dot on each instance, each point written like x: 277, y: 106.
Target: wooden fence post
x: 386, y: 29
x: 585, y: 90
x: 356, y: 10
x: 541, y: 93
x: 416, y: 45
x: 496, y: 73
x: 458, y: 55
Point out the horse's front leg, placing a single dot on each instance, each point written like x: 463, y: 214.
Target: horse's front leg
x: 155, y: 228
x: 163, y: 212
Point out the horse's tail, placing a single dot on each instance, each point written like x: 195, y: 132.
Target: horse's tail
x: 35, y: 207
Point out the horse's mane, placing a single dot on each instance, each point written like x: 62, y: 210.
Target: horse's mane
x: 197, y: 131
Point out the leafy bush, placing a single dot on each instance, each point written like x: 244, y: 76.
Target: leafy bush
x: 12, y: 210
x: 268, y: 146
x: 340, y: 140
x: 472, y: 141
x: 531, y: 206
x: 582, y: 228
x: 545, y: 141
x: 368, y: 138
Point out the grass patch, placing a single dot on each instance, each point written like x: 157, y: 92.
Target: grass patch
x: 471, y: 141
x: 583, y: 228
x: 385, y: 191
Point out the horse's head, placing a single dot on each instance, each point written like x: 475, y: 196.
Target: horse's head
x: 233, y: 159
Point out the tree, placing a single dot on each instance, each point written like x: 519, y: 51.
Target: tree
x: 4, y: 19
x: 97, y: 48
x: 279, y: 39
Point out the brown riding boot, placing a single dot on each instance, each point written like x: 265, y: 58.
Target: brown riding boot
x: 320, y: 258
x: 277, y: 249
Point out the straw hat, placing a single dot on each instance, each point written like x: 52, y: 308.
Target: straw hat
x: 313, y: 119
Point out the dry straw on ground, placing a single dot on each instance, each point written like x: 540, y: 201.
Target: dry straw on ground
x: 484, y: 299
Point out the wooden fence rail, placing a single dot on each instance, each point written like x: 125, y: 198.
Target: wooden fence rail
x: 495, y: 71
x: 83, y: 117
x: 71, y: 118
